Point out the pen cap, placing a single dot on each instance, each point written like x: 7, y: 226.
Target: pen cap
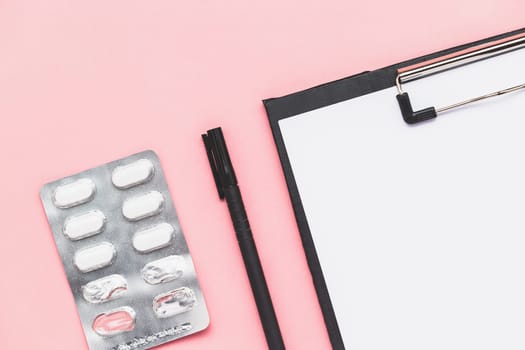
x: 219, y: 158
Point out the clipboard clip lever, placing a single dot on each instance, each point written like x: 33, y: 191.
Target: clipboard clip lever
x: 452, y: 61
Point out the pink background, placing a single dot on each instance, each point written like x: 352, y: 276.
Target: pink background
x: 86, y: 82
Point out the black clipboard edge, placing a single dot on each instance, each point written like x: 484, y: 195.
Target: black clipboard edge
x: 353, y: 86
x: 321, y: 96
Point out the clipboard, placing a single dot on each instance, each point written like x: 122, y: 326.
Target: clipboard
x: 411, y: 107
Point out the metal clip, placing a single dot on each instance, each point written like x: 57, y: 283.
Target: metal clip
x: 452, y: 61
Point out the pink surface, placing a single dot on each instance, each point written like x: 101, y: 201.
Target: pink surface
x: 86, y: 82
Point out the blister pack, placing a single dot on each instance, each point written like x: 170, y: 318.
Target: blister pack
x: 125, y: 256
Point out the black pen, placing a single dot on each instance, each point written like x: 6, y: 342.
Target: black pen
x: 228, y: 189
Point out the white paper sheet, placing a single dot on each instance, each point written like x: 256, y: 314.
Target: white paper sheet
x: 420, y: 230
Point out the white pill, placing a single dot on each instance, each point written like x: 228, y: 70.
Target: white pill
x: 74, y: 193
x: 143, y: 206
x: 105, y: 289
x: 163, y: 270
x: 133, y: 174
x: 95, y: 257
x: 153, y: 238
x: 84, y: 225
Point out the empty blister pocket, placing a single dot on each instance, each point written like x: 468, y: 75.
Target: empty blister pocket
x: 174, y: 302
x: 105, y: 289
x: 163, y: 270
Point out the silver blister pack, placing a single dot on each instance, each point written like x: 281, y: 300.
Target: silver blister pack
x: 125, y: 255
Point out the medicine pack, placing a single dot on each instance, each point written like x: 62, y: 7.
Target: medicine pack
x: 125, y: 255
